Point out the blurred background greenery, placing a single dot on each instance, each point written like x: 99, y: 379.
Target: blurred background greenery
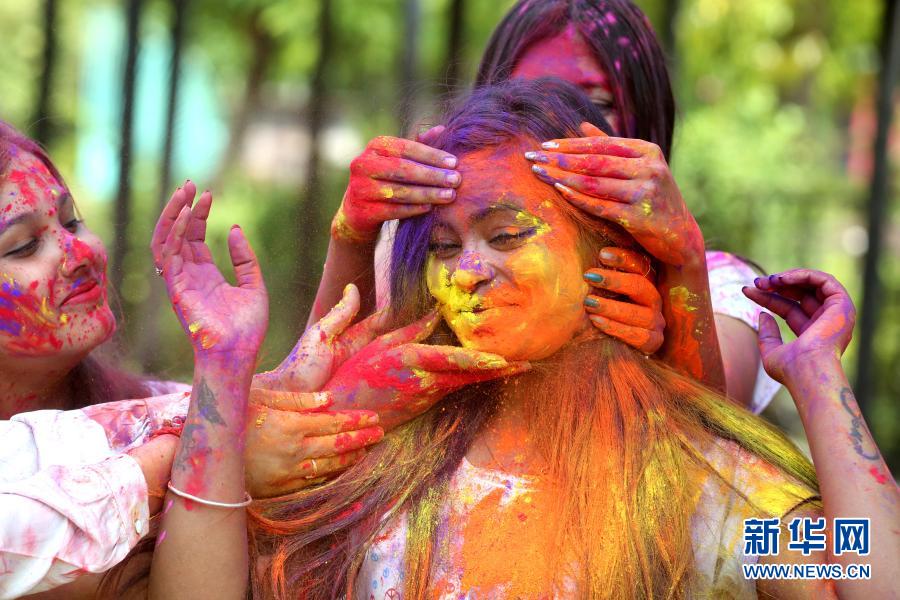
x: 773, y: 148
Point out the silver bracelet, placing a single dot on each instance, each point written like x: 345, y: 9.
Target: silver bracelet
x: 187, y: 496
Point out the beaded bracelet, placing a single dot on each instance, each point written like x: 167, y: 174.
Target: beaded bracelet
x: 186, y: 496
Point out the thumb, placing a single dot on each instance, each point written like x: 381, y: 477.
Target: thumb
x: 340, y: 316
x: 246, y: 266
x: 769, y: 335
x: 590, y: 130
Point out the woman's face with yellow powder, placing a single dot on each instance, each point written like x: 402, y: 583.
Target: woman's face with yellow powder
x: 503, y: 262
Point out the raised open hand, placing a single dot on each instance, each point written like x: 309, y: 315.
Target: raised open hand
x: 815, y: 306
x: 218, y: 317
x: 393, y: 178
x: 400, y: 378
x: 626, y: 181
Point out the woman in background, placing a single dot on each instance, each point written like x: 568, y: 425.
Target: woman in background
x: 609, y: 50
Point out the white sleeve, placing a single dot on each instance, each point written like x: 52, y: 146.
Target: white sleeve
x: 70, y: 501
x: 65, y: 521
x: 727, y: 275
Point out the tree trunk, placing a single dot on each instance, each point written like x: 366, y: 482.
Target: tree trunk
x: 879, y: 194
x: 453, y: 61
x: 43, y: 130
x: 311, y: 230
x: 123, y: 196
x: 408, y: 66
x: 148, y: 336
x: 262, y: 46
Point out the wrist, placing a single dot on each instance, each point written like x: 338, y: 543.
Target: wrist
x: 342, y: 230
x: 236, y: 363
x: 809, y: 367
x: 155, y: 460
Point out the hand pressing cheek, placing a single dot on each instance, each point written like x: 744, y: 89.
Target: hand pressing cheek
x: 53, y: 294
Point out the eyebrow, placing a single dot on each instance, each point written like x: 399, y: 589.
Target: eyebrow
x: 7, y: 223
x: 493, y: 209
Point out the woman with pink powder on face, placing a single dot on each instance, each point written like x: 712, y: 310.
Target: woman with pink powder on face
x: 83, y: 472
x: 609, y: 49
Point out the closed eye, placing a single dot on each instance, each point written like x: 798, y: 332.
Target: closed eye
x: 508, y: 239
x: 443, y: 249
x: 26, y: 249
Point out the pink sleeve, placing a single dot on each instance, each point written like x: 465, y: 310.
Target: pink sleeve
x: 64, y: 521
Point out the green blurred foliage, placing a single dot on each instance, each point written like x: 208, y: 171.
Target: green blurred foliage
x: 766, y: 90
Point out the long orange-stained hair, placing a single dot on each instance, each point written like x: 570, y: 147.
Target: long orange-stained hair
x: 622, y: 435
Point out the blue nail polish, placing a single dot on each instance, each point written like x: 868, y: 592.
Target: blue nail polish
x: 591, y: 302
x: 538, y: 170
x: 594, y: 277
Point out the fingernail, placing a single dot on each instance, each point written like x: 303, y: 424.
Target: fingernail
x: 594, y: 277
x: 591, y: 302
x: 450, y: 161
x: 453, y: 179
x: 448, y: 194
x: 609, y: 256
x: 539, y: 170
x: 491, y: 363
x: 550, y: 145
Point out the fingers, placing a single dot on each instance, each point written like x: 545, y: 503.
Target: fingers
x: 605, y: 209
x: 449, y: 358
x: 405, y: 193
x: 180, y: 198
x: 415, y: 332
x: 594, y: 165
x: 624, y: 147
x: 636, y: 287
x: 291, y: 401
x: 785, y: 308
x: 825, y: 285
x: 769, y: 334
x: 429, y: 136
x: 340, y: 316
x: 326, y: 423
x: 624, y: 259
x: 591, y: 130
x: 418, y: 152
x: 645, y: 340
x: 391, y: 168
x: 358, y: 336
x: 199, y: 215
x: 246, y: 266
x: 171, y: 252
x: 603, y: 188
x: 623, y: 312
x: 329, y: 465
x: 329, y: 445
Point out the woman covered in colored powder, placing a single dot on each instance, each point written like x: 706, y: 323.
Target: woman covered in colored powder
x: 609, y: 50
x: 83, y: 473
x: 598, y: 473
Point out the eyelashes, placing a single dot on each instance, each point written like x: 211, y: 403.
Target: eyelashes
x: 502, y: 241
